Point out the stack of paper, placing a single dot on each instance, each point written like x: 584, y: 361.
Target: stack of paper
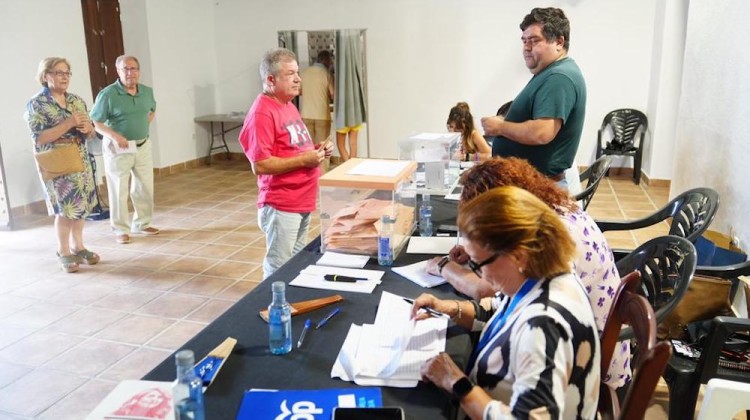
x: 391, y: 351
x: 417, y: 273
x: 355, y: 227
x: 336, y: 259
x: 438, y: 245
x: 313, y: 277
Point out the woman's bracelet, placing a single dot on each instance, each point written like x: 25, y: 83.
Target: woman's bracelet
x: 458, y: 311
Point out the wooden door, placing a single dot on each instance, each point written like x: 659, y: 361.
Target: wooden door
x: 101, y: 23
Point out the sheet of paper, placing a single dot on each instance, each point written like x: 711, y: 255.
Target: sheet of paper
x: 454, y: 192
x: 313, y: 277
x: 116, y: 149
x: 337, y: 259
x: 367, y: 348
x: 417, y: 273
x: 376, y: 167
x: 439, y: 245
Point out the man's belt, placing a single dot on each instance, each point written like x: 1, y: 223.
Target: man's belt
x: 559, y: 177
x: 139, y: 143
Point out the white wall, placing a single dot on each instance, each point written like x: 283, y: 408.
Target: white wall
x: 423, y: 56
x: 31, y: 31
x: 712, y: 148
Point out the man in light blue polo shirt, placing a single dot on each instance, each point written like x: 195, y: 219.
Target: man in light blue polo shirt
x: 122, y: 113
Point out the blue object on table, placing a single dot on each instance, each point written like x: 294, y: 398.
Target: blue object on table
x: 327, y: 318
x: 311, y: 404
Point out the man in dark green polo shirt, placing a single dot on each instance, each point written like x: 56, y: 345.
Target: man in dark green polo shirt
x: 122, y: 113
x: 545, y: 120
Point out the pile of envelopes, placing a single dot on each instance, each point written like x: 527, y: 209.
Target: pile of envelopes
x: 355, y: 227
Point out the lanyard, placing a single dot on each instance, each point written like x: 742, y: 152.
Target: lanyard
x: 498, y: 321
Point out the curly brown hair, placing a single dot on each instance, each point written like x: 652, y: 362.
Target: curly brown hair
x: 511, y: 220
x: 499, y: 172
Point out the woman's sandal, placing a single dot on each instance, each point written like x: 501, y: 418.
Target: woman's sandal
x: 69, y: 262
x: 87, y: 256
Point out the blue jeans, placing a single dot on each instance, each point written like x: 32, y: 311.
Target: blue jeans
x: 286, y: 235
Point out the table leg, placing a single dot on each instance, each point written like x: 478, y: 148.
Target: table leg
x: 210, y: 142
x: 223, y: 140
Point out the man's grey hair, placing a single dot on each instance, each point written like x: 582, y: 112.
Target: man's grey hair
x: 272, y: 59
x: 123, y: 58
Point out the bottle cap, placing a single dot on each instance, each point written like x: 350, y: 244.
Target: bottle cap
x: 278, y: 286
x: 185, y: 357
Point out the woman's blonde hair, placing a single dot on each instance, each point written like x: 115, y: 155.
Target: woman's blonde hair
x: 512, y: 220
x: 46, y: 66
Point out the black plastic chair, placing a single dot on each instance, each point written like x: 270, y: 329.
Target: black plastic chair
x: 691, y: 212
x: 685, y: 376
x: 666, y: 264
x: 592, y: 175
x: 625, y: 124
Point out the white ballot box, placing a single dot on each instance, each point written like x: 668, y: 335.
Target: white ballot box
x: 353, y: 197
x: 437, y: 157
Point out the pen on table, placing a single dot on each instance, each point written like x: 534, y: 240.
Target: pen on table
x: 327, y: 318
x: 346, y: 279
x: 430, y: 310
x: 304, y: 331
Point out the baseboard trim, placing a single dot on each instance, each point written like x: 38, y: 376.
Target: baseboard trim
x: 40, y: 207
x: 623, y: 172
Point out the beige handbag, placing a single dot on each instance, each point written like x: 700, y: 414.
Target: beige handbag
x: 60, y: 160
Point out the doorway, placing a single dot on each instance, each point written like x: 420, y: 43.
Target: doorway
x: 349, y: 49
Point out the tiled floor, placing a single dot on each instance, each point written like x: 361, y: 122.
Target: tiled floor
x: 67, y: 339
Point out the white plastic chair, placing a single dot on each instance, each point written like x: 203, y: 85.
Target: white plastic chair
x: 723, y: 399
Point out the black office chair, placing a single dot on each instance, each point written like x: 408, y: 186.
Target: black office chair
x: 592, y: 175
x: 691, y: 212
x: 625, y: 124
x: 666, y: 264
x: 684, y: 376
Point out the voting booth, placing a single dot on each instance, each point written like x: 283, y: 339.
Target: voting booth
x: 438, y: 158
x: 353, y: 197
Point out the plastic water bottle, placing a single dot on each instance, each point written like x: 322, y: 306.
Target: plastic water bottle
x: 188, y: 390
x: 385, y: 241
x: 279, y: 321
x: 425, y: 216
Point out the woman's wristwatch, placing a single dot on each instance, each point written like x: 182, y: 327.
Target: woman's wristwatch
x: 462, y: 387
x: 442, y: 263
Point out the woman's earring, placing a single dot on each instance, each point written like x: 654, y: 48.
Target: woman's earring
x: 520, y: 270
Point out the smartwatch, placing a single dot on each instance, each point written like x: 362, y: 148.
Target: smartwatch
x: 462, y: 387
x: 442, y: 263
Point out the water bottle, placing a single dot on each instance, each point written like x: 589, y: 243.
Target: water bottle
x: 385, y: 241
x: 188, y: 390
x: 425, y: 216
x: 279, y: 321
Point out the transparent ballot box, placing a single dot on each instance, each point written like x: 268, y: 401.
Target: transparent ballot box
x: 438, y: 158
x: 353, y: 197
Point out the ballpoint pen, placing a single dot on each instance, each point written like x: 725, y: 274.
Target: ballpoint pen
x: 430, y: 311
x: 327, y: 318
x: 304, y: 331
x: 346, y: 279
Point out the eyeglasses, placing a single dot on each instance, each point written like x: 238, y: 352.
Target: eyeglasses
x: 61, y: 73
x: 477, y: 267
x: 129, y: 69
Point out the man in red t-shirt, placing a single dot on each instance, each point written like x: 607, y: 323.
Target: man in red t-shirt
x: 284, y: 158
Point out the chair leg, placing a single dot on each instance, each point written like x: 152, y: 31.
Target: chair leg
x: 683, y: 395
x: 637, y: 167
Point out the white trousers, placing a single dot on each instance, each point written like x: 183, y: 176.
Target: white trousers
x: 118, y: 168
x: 286, y: 235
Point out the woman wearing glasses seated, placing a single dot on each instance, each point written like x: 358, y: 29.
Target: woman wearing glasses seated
x: 538, y: 353
x: 592, y: 261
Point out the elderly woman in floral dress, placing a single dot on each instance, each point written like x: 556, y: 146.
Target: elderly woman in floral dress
x: 57, y: 117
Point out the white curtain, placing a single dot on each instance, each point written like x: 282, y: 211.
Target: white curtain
x: 349, y: 101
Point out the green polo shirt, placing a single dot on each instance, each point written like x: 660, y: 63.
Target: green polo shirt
x: 125, y: 113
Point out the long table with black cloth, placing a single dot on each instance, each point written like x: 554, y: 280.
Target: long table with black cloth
x: 251, y: 365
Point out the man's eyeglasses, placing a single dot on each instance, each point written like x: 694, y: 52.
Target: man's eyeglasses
x: 477, y: 267
x: 129, y: 69
x: 61, y: 73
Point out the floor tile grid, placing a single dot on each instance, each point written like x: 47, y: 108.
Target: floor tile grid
x: 217, y: 198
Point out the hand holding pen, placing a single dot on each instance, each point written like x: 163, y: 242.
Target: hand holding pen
x: 427, y: 305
